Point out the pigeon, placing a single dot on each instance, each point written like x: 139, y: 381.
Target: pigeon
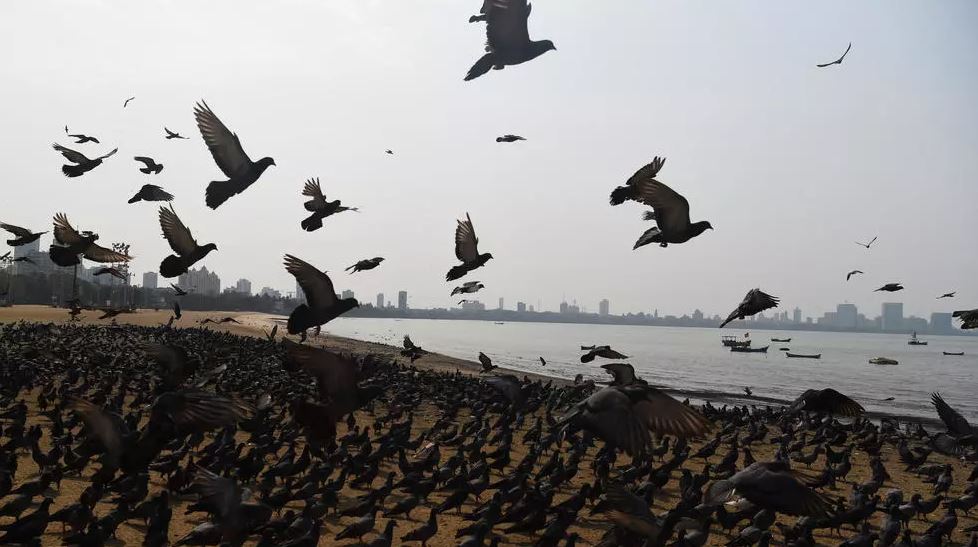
x: 510, y: 138
x: 411, y: 350
x: 486, y: 6
x: 176, y: 310
x: 70, y: 243
x: 110, y: 271
x: 890, y: 287
x: 468, y: 287
x: 318, y: 206
x: 178, y: 290
x: 81, y: 164
x: 125, y: 104
x: 188, y: 252
x: 389, y: 152
x: 945, y: 295
x: 772, y: 486
x: 23, y: 235
x: 150, y: 165
x: 486, y: 362
x: 81, y: 138
x: 151, y: 192
x: 604, y: 352
x: 322, y: 304
x: 827, y: 401
x: 748, y: 391
x: 466, y: 250
x: 229, y: 156
x: 867, y: 245
x: 543, y: 362
x: 755, y: 302
x: 958, y: 428
x: 969, y: 318
x: 852, y: 273
x: 837, y: 61
x: 507, y: 38
x: 630, y: 191
x: 365, y: 264
x: 172, y: 135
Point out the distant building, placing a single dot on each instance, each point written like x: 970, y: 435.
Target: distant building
x: 243, y: 286
x: 531, y: 308
x: 150, y: 280
x: 402, y: 303
x: 892, y: 317
x: 796, y: 315
x: 563, y: 307
x: 472, y: 305
x: 697, y: 315
x: 916, y: 324
x: 380, y: 300
x: 347, y: 294
x: 521, y: 307
x: 201, y: 281
x: 501, y: 303
x: 846, y: 316
x: 603, y: 307
x: 270, y: 292
x: 940, y: 323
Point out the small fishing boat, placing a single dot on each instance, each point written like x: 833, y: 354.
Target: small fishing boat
x: 785, y: 340
x: 500, y: 323
x: 883, y: 361
x: 956, y: 353
x: 784, y: 349
x: 914, y: 341
x: 745, y: 349
x: 733, y: 342
x: 804, y: 355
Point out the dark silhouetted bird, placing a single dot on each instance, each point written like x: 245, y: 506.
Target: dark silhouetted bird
x: 188, y: 252
x: 670, y: 210
x: 948, y: 295
x: 318, y: 206
x: 828, y: 401
x: 151, y: 192
x: 543, y: 362
x: 600, y: 351
x: 149, y: 165
x: 80, y: 163
x: 366, y: 264
x: 839, y: 60
x: 772, y: 486
x: 23, y: 235
x: 867, y: 245
x: 110, y: 271
x: 71, y: 243
x: 468, y: 287
x: 322, y: 305
x: 756, y: 301
x: 229, y: 156
x: 389, y: 152
x: 411, y: 350
x: 125, y: 104
x: 969, y: 318
x: 852, y: 273
x: 510, y: 138
x: 890, y: 287
x: 176, y: 310
x: 507, y: 38
x: 81, y: 138
x: 630, y: 191
x: 173, y: 135
x: 958, y: 428
x: 486, y: 362
x: 178, y: 290
x: 466, y: 250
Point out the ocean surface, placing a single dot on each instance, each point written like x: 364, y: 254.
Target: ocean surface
x: 693, y: 360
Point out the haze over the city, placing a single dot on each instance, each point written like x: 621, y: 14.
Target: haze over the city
x: 790, y: 163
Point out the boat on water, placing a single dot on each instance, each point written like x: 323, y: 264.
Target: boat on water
x: 784, y: 349
x: 914, y: 341
x: 500, y: 323
x: 733, y: 342
x: 804, y: 355
x: 785, y: 340
x: 955, y: 353
x: 745, y: 349
x: 884, y: 361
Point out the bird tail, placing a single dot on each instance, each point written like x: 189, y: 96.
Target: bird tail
x: 620, y: 195
x: 456, y: 272
x: 313, y: 223
x: 172, y: 266
x: 300, y: 319
x: 72, y: 170
x: 218, y: 192
x: 652, y: 235
x: 483, y: 65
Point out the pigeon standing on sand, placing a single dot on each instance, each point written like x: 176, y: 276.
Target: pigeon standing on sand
x: 151, y: 192
x: 466, y: 250
x: 23, y: 235
x: 149, y: 165
x: 188, y: 252
x: 890, y: 287
x: 229, y: 156
x: 507, y: 38
x: 755, y: 302
x: 318, y: 206
x: 365, y: 264
x: 80, y: 163
x: 322, y: 305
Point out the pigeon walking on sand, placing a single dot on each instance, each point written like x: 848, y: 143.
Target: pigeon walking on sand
x: 466, y: 250
x: 755, y: 302
x: 507, y: 38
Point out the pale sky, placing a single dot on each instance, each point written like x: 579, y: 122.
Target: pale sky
x: 790, y: 163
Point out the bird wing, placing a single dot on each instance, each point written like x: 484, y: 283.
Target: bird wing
x: 757, y: 301
x: 156, y: 192
x: 16, y: 230
x: 176, y: 233
x: 646, y: 172
x: 222, y: 493
x: 192, y: 409
x: 64, y: 232
x: 780, y: 490
x: 223, y: 144
x: 671, y: 208
x: 113, y: 151
x: 336, y: 376
x: 71, y: 155
x: 507, y: 384
x: 622, y: 500
x: 316, y: 285
x: 609, y: 413
x: 466, y: 243
x: 97, y: 253
x: 665, y: 415
x: 170, y: 357
x: 506, y: 25
x: 100, y: 422
x: 955, y: 422
x: 845, y: 53
x: 840, y: 403
x: 148, y: 162
x: 313, y: 190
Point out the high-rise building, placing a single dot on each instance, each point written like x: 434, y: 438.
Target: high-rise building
x: 796, y: 315
x: 521, y: 307
x: 892, y: 316
x: 473, y: 305
x: 603, y: 307
x: 243, y: 286
x: 402, y: 303
x: 150, y: 280
x: 39, y: 262
x: 846, y: 316
x: 531, y: 308
x: 380, y: 300
x: 563, y: 307
x: 201, y: 281
x: 940, y: 323
x: 347, y: 294
x: 501, y: 306
x: 270, y: 292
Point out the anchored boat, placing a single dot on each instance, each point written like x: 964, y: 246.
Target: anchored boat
x: 804, y: 355
x: 745, y: 349
x: 884, y: 361
x: 914, y: 341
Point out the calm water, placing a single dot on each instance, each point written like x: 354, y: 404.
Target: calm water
x: 693, y: 359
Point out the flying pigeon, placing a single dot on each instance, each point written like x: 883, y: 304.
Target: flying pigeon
x: 172, y: 135
x: 23, y: 235
x: 151, y: 192
x: 69, y: 244
x: 969, y: 318
x: 81, y: 138
x: 948, y: 295
x: 867, y: 245
x: 125, y: 104
x: 510, y: 138
x: 365, y: 264
x: 755, y: 302
x: 468, y: 287
x: 150, y: 165
x: 890, y: 287
x: 110, y: 271
x: 80, y: 163
x: 318, y: 206
x: 322, y: 304
x: 178, y: 290
x: 852, y: 273
x: 466, y: 250
x: 187, y: 251
x: 507, y: 38
x: 839, y: 60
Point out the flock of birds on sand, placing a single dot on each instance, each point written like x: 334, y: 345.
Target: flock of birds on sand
x: 153, y: 416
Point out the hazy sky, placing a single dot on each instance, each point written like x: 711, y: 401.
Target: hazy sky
x: 790, y: 163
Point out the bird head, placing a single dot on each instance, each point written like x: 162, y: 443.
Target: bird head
x: 548, y: 45
x: 488, y: 256
x: 265, y: 162
x: 209, y: 247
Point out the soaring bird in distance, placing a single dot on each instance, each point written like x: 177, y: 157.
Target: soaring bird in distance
x: 826, y: 401
x: 510, y: 138
x: 81, y: 138
x: 624, y: 415
x: 172, y: 134
x: 70, y: 243
x: 80, y: 163
x: 604, y: 352
x: 507, y: 38
x: 229, y: 156
x: 318, y: 206
x: 151, y: 192
x: 839, y: 60
x: 771, y: 486
x: 852, y: 273
x: 125, y: 104
x: 322, y: 305
x: 868, y: 245
x: 630, y: 190
x: 945, y: 295
x: 468, y: 287
x: 756, y: 301
x: 890, y: 287
x: 188, y: 252
x: 178, y: 291
x: 23, y: 235
x: 365, y: 264
x: 969, y: 318
x: 150, y: 166
x: 110, y: 271
x: 466, y: 250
